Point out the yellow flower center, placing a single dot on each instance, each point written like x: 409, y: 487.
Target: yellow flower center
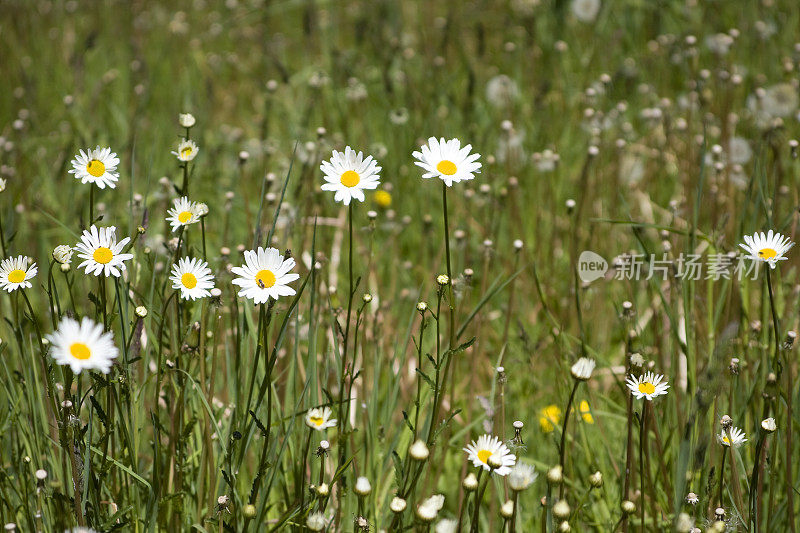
x: 16, y: 276
x: 484, y: 455
x: 645, y: 387
x: 726, y: 440
x: 316, y: 420
x: 446, y: 167
x: 767, y: 253
x: 265, y: 279
x: 96, y: 168
x: 184, y: 217
x: 189, y: 280
x: 103, y: 255
x: 79, y: 350
x: 186, y: 152
x: 350, y: 178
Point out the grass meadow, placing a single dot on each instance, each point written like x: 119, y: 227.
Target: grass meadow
x: 282, y: 335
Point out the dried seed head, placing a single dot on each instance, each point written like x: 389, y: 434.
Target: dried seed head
x: 555, y: 475
x: 561, y: 509
x: 470, y: 482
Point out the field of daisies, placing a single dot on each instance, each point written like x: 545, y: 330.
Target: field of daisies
x: 399, y: 266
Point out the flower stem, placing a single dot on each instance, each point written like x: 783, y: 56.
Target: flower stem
x: 564, y: 434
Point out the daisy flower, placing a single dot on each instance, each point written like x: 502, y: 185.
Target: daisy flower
x: 647, y: 386
x: 319, y: 418
x: 82, y: 345
x: 348, y: 174
x: 192, y: 277
x: 182, y: 213
x: 769, y: 248
x: 15, y: 273
x: 264, y: 275
x: 101, y: 252
x: 447, y: 160
x: 187, y: 150
x: 488, y: 446
x: 98, y: 166
x: 737, y: 438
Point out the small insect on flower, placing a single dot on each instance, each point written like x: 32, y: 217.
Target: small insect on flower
x: 488, y: 447
x: 348, y: 174
x: 101, y: 252
x: 98, y: 166
x: 15, y: 273
x: 647, y: 386
x: 736, y: 439
x: 264, y: 275
x: 82, y: 346
x: 769, y: 248
x: 183, y: 213
x: 445, y: 159
x: 187, y: 150
x: 193, y: 278
x: 549, y: 418
x: 319, y: 418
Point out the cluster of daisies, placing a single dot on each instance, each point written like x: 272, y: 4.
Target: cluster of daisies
x: 265, y: 274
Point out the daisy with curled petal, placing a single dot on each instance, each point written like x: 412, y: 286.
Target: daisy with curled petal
x: 187, y: 150
x: 264, y: 275
x: 82, y: 345
x: 193, y: 278
x: 488, y: 446
x: 769, y: 248
x: 16, y: 273
x: 319, y: 418
x: 348, y: 174
x: 447, y: 160
x: 648, y: 386
x: 182, y: 213
x: 101, y: 252
x: 736, y: 439
x: 98, y: 166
